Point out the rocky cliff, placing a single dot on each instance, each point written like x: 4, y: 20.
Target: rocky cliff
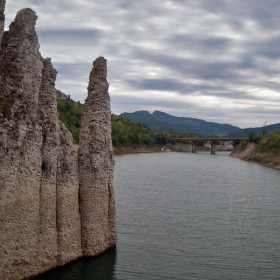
x: 54, y: 207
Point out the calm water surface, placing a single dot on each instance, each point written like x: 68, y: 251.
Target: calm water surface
x: 189, y: 216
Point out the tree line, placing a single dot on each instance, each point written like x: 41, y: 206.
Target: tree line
x: 267, y: 142
x: 125, y: 133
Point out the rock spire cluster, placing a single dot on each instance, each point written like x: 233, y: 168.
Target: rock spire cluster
x: 55, y: 205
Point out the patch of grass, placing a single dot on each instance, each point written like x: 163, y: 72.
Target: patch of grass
x: 259, y: 158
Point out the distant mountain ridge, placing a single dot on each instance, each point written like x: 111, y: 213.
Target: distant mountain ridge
x: 244, y: 132
x: 165, y: 122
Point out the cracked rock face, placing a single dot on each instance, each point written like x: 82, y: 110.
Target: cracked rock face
x: 96, y: 166
x: 40, y: 184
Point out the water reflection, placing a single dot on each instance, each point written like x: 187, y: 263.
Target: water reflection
x: 98, y: 268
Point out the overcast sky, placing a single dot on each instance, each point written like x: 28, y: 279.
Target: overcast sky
x: 216, y: 60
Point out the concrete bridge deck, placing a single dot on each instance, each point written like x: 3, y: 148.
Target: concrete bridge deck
x: 212, y: 141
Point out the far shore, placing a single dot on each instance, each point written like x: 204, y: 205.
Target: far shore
x: 272, y: 161
x: 143, y: 149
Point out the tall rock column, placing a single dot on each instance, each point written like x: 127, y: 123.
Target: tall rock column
x: 21, y: 68
x: 96, y: 164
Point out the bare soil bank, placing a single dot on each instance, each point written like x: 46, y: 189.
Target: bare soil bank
x: 250, y: 153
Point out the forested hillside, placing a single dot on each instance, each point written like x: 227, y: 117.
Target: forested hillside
x: 165, y: 122
x: 70, y: 114
x: 125, y: 133
x: 244, y: 132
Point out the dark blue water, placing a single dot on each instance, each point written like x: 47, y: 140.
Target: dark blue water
x: 189, y: 216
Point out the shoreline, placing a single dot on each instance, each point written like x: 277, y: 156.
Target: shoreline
x: 250, y: 154
x: 247, y: 154
x: 143, y: 149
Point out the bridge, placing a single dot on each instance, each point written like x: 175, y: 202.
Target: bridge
x: 179, y: 142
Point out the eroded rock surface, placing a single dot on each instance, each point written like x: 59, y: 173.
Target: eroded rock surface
x: 20, y: 148
x: 96, y: 166
x: 40, y: 220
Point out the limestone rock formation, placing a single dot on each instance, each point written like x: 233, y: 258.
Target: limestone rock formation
x: 96, y: 166
x: 40, y: 214
x: 20, y: 148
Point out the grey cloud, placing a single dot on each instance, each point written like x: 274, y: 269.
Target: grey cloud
x: 72, y: 69
x: 196, y: 68
x: 190, y: 89
x: 78, y: 37
x: 212, y: 48
x: 263, y: 13
x: 200, y: 43
x: 268, y: 48
x: 51, y: 5
x: 156, y: 84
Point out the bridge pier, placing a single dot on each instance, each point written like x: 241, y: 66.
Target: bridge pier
x: 213, y: 144
x: 178, y: 146
x: 213, y: 147
x: 193, y: 146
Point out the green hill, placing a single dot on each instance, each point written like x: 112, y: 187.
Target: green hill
x: 165, y: 122
x: 257, y: 130
x: 125, y: 133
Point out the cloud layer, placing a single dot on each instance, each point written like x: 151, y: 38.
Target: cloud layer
x: 208, y: 59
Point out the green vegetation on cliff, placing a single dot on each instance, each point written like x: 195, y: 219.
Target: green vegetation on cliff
x: 70, y: 114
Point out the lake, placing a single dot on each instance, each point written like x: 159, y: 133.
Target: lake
x: 189, y: 216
